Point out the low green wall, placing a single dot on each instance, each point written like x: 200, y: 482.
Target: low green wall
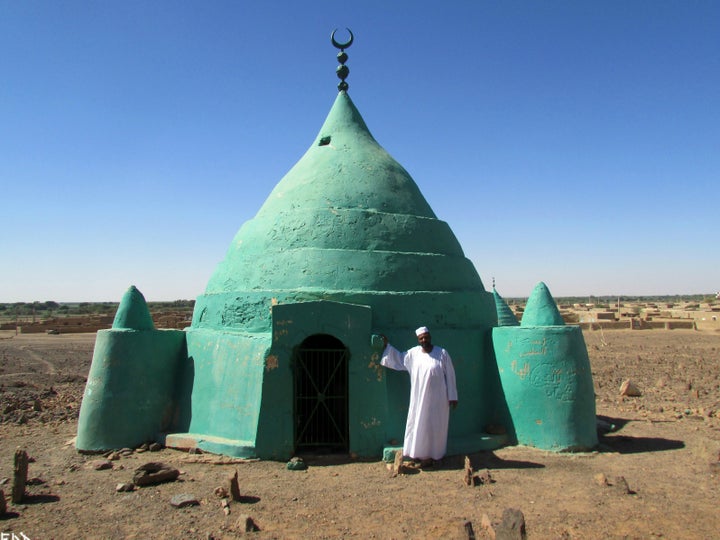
x: 220, y: 389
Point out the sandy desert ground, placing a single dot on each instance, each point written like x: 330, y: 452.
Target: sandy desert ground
x: 666, y: 449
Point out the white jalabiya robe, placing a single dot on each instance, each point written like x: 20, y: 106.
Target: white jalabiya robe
x: 432, y: 386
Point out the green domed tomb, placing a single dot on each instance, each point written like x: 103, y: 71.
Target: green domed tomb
x: 282, y: 355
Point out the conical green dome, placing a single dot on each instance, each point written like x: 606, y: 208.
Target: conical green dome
x: 133, y: 312
x: 346, y: 219
x: 345, y: 247
x: 541, y: 309
x: 504, y: 314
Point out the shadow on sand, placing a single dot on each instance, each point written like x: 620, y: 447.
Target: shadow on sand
x: 611, y: 441
x: 487, y: 460
x: 40, y: 499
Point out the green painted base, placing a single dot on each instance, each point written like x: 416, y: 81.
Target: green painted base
x: 213, y: 445
x: 468, y: 444
x: 479, y: 442
x: 389, y: 453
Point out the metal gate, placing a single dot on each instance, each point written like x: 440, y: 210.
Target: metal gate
x: 321, y: 395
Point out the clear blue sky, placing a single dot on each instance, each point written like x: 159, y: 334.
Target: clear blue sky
x: 572, y: 142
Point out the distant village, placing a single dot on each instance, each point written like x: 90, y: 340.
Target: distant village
x: 698, y: 312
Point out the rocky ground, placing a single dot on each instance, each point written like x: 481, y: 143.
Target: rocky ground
x: 658, y: 475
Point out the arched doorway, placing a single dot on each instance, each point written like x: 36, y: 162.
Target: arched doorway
x: 321, y: 395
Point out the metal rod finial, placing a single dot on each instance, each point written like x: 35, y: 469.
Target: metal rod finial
x: 342, y: 70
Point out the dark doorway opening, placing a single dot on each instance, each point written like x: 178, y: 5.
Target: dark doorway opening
x: 321, y: 395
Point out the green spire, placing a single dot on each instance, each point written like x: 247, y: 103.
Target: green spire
x: 504, y: 314
x: 345, y: 167
x: 133, y: 313
x: 541, y: 309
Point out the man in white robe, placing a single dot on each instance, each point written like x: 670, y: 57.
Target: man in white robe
x: 432, y: 393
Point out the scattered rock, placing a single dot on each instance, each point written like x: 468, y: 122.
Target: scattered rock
x: 183, y: 500
x: 601, y: 480
x: 246, y: 524
x: 486, y: 524
x: 155, y: 447
x: 221, y: 492
x: 469, y: 475
x: 125, y: 486
x: 99, y: 464
x: 397, y: 465
x: 154, y: 473
x: 20, y: 470
x: 296, y: 464
x: 484, y: 478
x: 621, y: 485
x: 234, y: 486
x: 126, y: 452
x: 512, y: 526
x: 630, y: 389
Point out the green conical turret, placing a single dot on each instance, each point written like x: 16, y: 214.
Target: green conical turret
x: 504, y: 314
x: 541, y: 309
x: 133, y: 312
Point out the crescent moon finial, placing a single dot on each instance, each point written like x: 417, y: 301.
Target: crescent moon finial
x: 342, y: 70
x: 342, y: 46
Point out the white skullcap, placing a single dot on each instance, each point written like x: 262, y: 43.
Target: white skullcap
x: 422, y: 330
